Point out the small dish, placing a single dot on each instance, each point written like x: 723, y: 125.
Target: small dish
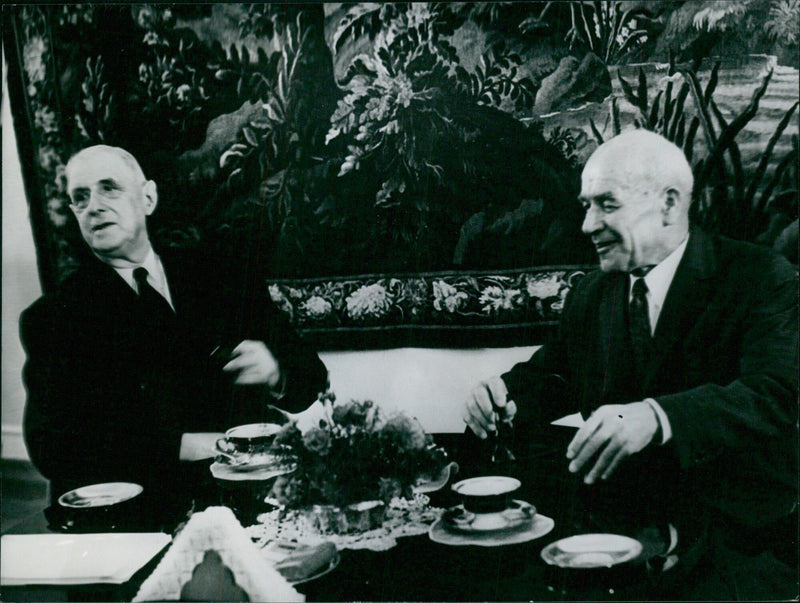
x: 536, y: 528
x: 99, y: 495
x: 591, y: 551
x: 228, y: 473
x: 300, y: 563
x: 251, y: 462
x: 518, y: 514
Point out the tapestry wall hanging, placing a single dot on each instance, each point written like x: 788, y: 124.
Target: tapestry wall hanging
x: 403, y: 172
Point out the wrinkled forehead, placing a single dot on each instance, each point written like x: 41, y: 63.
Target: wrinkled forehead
x: 96, y: 165
x: 601, y: 176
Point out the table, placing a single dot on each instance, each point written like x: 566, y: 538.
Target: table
x: 418, y: 569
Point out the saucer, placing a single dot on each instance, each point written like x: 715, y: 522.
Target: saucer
x: 538, y: 526
x: 518, y: 514
x: 591, y: 550
x: 247, y: 461
x: 227, y: 472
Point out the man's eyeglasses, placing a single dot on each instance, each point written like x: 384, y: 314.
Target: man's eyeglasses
x: 109, y: 189
x: 79, y: 202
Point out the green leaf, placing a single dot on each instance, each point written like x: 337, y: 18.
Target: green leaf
x: 627, y: 90
x: 688, y: 145
x: 598, y: 137
x: 758, y: 175
x: 712, y: 82
x: 250, y: 136
x: 642, y: 92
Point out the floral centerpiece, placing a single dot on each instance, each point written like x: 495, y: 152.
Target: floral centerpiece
x: 356, y: 459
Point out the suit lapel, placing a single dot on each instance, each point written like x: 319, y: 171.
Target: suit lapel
x: 688, y: 295
x: 178, y: 280
x: 107, y: 286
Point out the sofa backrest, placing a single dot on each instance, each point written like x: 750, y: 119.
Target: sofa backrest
x: 430, y: 384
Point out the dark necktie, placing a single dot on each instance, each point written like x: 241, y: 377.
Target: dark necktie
x: 155, y: 308
x: 639, y: 324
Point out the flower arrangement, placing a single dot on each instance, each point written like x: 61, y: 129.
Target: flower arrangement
x: 355, y: 454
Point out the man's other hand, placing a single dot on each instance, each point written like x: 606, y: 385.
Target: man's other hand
x: 485, y: 404
x: 613, y: 432
x: 255, y: 364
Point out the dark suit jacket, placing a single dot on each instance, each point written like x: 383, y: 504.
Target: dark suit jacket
x: 725, y: 372
x: 108, y: 397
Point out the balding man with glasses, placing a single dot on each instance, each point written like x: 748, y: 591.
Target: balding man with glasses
x: 123, y: 373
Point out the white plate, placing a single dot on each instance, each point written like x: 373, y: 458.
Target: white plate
x: 591, y: 550
x: 76, y: 558
x: 516, y: 516
x: 99, y: 495
x: 540, y: 526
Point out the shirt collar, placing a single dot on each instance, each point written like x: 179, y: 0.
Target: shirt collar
x: 660, y: 277
x: 154, y: 270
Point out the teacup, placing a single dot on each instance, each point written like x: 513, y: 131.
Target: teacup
x: 487, y: 494
x: 250, y: 439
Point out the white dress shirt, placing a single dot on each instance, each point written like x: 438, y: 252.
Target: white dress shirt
x: 156, y: 276
x: 658, y: 282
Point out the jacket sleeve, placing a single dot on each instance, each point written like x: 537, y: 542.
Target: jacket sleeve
x: 760, y: 405
x: 46, y: 425
x: 541, y: 386
x: 71, y: 429
x: 303, y: 374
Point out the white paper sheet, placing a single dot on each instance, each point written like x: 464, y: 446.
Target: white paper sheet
x: 575, y: 420
x: 76, y: 558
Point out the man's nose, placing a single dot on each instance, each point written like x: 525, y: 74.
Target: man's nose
x: 94, y: 203
x: 592, y: 222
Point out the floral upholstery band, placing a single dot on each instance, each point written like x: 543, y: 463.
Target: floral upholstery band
x: 496, y: 308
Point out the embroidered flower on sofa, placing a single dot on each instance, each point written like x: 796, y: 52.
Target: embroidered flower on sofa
x: 446, y: 298
x: 495, y: 299
x: 316, y: 307
x: 368, y: 301
x: 558, y: 306
x: 280, y: 300
x: 544, y: 286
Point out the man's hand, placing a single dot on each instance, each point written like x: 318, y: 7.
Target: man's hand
x: 485, y: 403
x: 255, y: 363
x: 199, y: 446
x: 615, y: 431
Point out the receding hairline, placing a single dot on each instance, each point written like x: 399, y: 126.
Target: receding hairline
x: 101, y: 149
x: 643, y: 158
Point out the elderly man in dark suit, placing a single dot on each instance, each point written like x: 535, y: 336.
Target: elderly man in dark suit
x: 124, y: 375
x: 682, y: 352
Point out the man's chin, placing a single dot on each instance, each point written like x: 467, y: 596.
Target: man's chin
x: 611, y: 264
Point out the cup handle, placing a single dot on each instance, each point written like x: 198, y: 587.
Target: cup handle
x: 222, y: 449
x: 517, y: 508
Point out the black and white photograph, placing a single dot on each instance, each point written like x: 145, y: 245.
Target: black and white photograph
x: 383, y: 301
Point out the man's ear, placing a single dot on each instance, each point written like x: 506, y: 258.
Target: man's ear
x: 150, y: 194
x: 672, y: 206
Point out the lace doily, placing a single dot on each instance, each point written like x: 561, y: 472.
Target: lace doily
x: 403, y: 518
